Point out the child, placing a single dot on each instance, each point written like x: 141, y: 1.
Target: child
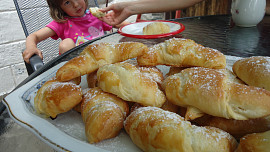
x: 71, y: 22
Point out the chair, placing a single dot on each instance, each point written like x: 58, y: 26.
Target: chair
x: 34, y: 15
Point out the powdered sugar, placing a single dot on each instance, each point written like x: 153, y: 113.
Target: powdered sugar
x: 152, y: 73
x: 147, y: 116
x: 57, y: 84
x: 259, y: 63
x: 146, y: 112
x: 99, y: 108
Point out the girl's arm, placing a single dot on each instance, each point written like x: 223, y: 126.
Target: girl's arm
x: 122, y: 11
x: 33, y: 39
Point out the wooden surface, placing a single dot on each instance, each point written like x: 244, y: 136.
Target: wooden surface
x: 206, y: 7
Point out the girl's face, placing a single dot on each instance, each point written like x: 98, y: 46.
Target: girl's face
x: 74, y: 8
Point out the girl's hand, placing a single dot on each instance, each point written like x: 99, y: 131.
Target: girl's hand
x: 29, y: 52
x: 33, y: 39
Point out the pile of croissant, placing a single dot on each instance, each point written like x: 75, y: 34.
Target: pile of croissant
x: 199, y: 105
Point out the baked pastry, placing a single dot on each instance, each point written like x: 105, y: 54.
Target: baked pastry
x: 129, y: 83
x: 213, y: 92
x: 257, y: 142
x: 154, y: 129
x: 96, y: 12
x: 56, y: 97
x: 237, y: 128
x: 91, y: 79
x: 192, y: 112
x: 156, y: 28
x: 103, y: 114
x: 254, y: 71
x: 184, y: 53
x: 168, y: 106
x: 152, y: 73
x: 174, y: 70
x: 96, y: 55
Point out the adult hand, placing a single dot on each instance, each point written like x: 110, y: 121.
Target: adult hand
x: 120, y: 12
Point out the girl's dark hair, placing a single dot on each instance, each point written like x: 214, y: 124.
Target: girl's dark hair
x: 56, y: 12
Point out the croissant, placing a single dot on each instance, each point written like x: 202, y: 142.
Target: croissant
x: 254, y: 71
x: 56, y: 97
x: 92, y: 79
x: 156, y: 28
x: 213, y: 92
x: 153, y: 72
x: 184, y: 53
x: 96, y: 55
x: 129, y: 83
x: 237, y: 128
x: 96, y: 12
x: 154, y: 129
x: 103, y: 114
x: 257, y: 142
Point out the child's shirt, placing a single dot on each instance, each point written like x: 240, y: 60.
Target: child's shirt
x: 79, y: 29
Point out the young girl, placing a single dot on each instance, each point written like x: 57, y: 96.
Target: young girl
x: 71, y: 22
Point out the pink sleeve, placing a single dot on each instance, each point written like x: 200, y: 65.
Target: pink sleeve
x: 106, y: 27
x: 58, y: 29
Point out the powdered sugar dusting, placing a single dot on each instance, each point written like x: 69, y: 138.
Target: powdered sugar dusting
x: 260, y: 62
x: 152, y: 73
x: 211, y: 132
x: 102, y: 106
x: 161, y: 114
x: 177, y: 52
x: 207, y: 79
x: 157, y: 114
x: 57, y: 84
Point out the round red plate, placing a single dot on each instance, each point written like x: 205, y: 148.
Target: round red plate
x: 134, y: 30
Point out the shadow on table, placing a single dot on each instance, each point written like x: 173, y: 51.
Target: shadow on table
x: 149, y: 42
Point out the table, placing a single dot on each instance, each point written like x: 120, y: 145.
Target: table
x: 216, y: 32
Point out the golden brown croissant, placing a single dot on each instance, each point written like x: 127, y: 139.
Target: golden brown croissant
x: 92, y: 79
x: 154, y: 129
x: 213, y: 92
x: 254, y: 71
x: 56, y: 97
x: 184, y: 53
x: 96, y: 55
x: 257, y: 142
x: 156, y: 28
x: 103, y: 114
x: 237, y: 128
x: 129, y: 83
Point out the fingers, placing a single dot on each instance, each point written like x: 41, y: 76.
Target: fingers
x: 40, y: 55
x: 118, y: 14
x: 114, y: 19
x: 106, y: 9
x: 109, y: 19
x: 28, y: 54
x: 122, y: 17
x: 26, y: 57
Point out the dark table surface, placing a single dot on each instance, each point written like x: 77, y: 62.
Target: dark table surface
x: 216, y: 32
